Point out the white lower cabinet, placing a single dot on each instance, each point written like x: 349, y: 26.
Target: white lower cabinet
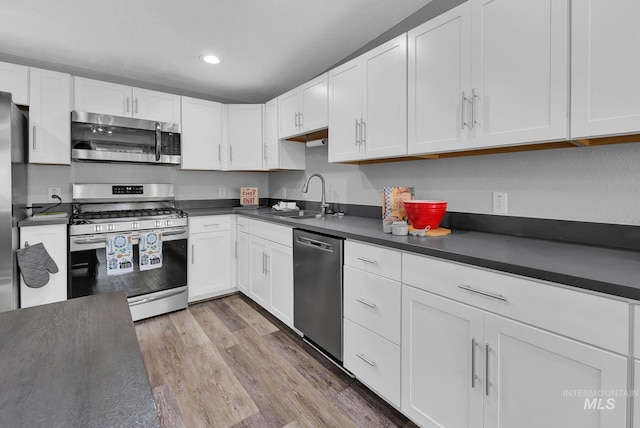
x: 211, y: 265
x: 465, y: 367
x: 54, y: 239
x: 265, y: 272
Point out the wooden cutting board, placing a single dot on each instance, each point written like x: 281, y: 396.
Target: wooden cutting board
x: 441, y: 231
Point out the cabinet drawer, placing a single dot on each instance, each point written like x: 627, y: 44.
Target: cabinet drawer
x: 243, y: 224
x: 565, y: 311
x: 373, y: 302
x: 272, y: 232
x: 210, y: 223
x: 374, y: 259
x: 375, y: 361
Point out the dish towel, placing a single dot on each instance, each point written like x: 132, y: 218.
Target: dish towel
x: 150, y: 250
x: 119, y: 251
x: 35, y: 264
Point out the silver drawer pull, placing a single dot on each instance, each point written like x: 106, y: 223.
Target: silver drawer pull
x: 487, y: 381
x: 364, y: 259
x: 484, y: 293
x: 363, y: 358
x: 211, y: 225
x: 473, y: 362
x: 364, y: 302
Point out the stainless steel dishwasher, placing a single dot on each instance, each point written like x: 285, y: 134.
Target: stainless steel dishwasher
x: 317, y: 290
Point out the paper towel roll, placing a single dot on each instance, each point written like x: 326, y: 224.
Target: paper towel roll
x: 317, y: 143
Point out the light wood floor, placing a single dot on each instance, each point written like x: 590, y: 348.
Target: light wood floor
x: 228, y: 363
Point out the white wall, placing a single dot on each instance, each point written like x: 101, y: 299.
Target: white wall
x: 596, y: 184
x: 188, y: 184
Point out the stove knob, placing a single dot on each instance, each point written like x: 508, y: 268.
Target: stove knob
x: 168, y: 222
x: 97, y: 228
x: 110, y: 227
x: 157, y: 223
x: 135, y: 225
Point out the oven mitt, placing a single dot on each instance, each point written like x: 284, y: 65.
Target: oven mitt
x: 35, y: 263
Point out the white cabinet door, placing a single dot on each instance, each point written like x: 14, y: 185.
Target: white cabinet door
x: 14, y: 78
x: 243, y: 262
x: 531, y: 375
x: 519, y: 71
x: 441, y: 361
x: 345, y: 111
x: 384, y: 101
x: 605, y: 95
x: 95, y: 96
x: 49, y: 116
x: 636, y: 400
x: 439, y: 72
x: 201, y: 138
x: 244, y: 136
x: 314, y: 104
x: 209, y: 270
x: 288, y: 113
x: 54, y: 239
x: 258, y: 271
x: 280, y: 272
x: 154, y: 105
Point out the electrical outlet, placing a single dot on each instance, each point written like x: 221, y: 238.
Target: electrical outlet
x: 54, y: 191
x: 222, y: 192
x: 499, y: 202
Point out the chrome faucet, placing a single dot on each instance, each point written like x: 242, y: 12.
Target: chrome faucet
x: 323, y: 202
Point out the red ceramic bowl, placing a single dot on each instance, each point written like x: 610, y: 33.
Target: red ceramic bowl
x: 425, y: 213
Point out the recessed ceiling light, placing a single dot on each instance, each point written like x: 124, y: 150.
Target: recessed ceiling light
x: 210, y: 59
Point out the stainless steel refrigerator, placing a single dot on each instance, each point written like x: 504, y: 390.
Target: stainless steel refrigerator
x: 13, y: 195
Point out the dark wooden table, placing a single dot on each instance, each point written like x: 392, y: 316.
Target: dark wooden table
x: 73, y: 364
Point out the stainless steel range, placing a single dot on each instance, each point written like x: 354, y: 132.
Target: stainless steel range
x: 132, y: 238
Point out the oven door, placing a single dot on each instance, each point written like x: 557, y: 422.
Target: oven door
x: 88, y: 269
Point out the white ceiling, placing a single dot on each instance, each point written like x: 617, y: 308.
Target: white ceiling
x: 266, y: 46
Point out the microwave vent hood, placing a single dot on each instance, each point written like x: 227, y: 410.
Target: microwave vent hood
x: 106, y: 138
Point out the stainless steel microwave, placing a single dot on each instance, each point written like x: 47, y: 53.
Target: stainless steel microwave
x: 105, y: 138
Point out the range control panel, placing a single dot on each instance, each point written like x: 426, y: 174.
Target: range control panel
x: 127, y: 190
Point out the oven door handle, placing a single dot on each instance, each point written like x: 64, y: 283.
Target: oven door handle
x: 88, y: 241
x: 178, y: 232
x: 152, y: 298
x: 158, y: 140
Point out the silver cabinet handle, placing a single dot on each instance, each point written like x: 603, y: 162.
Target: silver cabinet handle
x: 193, y: 254
x: 473, y: 108
x: 34, y: 137
x: 219, y: 153
x: 364, y: 302
x: 463, y: 106
x: 126, y: 104
x: 264, y: 151
x: 300, y: 119
x: 135, y: 106
x: 366, y: 260
x: 356, y: 139
x: 487, y: 382
x: 366, y: 360
x: 363, y: 133
x: 211, y: 225
x: 266, y: 265
x: 473, y: 362
x: 295, y: 120
x: 484, y: 293
x: 230, y: 153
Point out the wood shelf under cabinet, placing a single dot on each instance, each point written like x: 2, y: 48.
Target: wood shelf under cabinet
x: 312, y: 136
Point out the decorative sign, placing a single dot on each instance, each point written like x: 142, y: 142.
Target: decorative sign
x: 392, y: 201
x: 248, y: 196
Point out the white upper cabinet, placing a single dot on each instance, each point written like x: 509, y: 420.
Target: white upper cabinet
x: 303, y: 109
x: 244, y: 136
x: 440, y: 82
x: 201, y: 137
x: 279, y: 154
x: 15, y: 79
x: 49, y: 117
x: 605, y: 95
x: 368, y: 105
x: 119, y: 100
x: 488, y: 74
x: 520, y: 81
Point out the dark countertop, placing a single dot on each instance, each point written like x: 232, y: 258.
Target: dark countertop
x: 29, y: 221
x: 606, y: 270
x: 74, y: 364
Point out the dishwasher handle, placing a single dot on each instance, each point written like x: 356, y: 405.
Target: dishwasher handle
x: 314, y: 243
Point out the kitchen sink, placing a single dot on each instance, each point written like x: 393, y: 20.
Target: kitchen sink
x: 295, y: 214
